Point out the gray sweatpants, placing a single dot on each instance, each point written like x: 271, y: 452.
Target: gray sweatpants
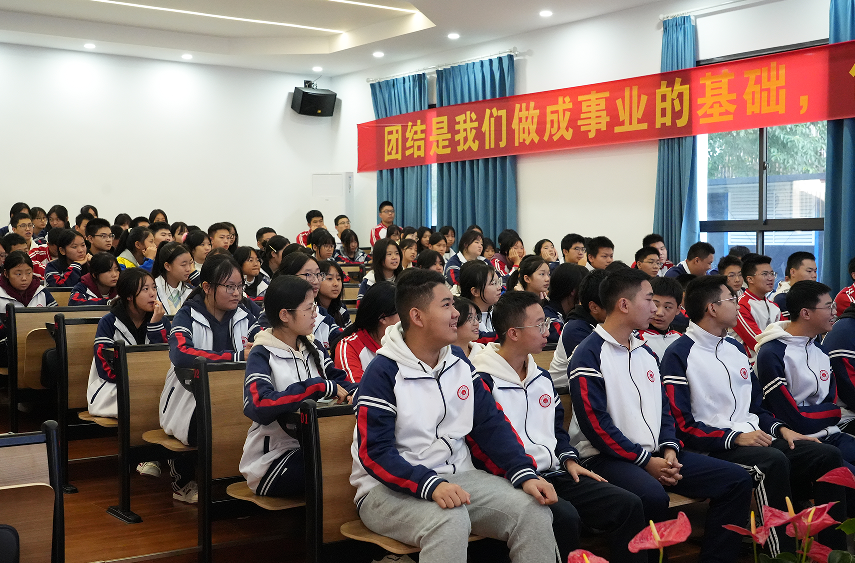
x: 497, y: 510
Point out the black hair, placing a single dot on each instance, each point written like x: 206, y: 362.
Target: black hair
x: 216, y: 269
x: 243, y: 253
x: 83, y: 217
x: 593, y: 246
x: 218, y: 227
x: 405, y: 244
x: 131, y: 237
x: 564, y: 281
x: 379, y: 256
x: 129, y: 285
x: 14, y: 259
x: 293, y: 263
x: 18, y: 217
x: 95, y: 225
x: 528, y: 266
x: 393, y: 230
x: 101, y: 263
x: 312, y: 213
x: 90, y: 209
x: 852, y: 266
x: 154, y: 213
x: 488, y: 243
x: 468, y: 238
x: 288, y: 293
x: 794, y: 262
x: 428, y: 259
x: 419, y: 234
x: 53, y: 235
x: 334, y: 310
x: 122, y: 219
x: 137, y: 221
x: 700, y: 250
x: 269, y: 247
x: 804, y: 295
x: 652, y: 239
x: 378, y: 302
x: 414, y: 290
x: 437, y: 238
x: 463, y: 306
x: 67, y: 237
x: 263, y: 231
x: 539, y: 245
x: 727, y: 261
x: 339, y: 218
x: 668, y: 287
x: 34, y: 212
x: 384, y: 204
x: 507, y: 239
x: 195, y: 239
x: 177, y: 226
x: 750, y: 263
x: 61, y: 213
x: 167, y: 252
x: 700, y: 293
x: 348, y: 236
x: 159, y: 226
x: 589, y: 289
x: 12, y: 239
x: 291, y: 248
x: 475, y: 274
x: 408, y: 231
x: 321, y: 237
x: 235, y: 243
x: 474, y: 227
x: 18, y: 208
x: 739, y: 251
x: 620, y: 284
x: 616, y: 265
x: 117, y: 231
x: 685, y: 279
x: 447, y: 229
x: 643, y: 253
x: 509, y: 311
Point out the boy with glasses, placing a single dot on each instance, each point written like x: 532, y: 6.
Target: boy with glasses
x: 573, y: 249
x: 657, y: 242
x: 342, y: 223
x: 22, y: 225
x: 800, y: 266
x: 756, y: 312
x: 731, y: 267
x: 387, y: 219
x: 99, y: 235
x: 647, y: 260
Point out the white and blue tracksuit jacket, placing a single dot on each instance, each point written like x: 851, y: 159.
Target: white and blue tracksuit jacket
x: 452, y: 268
x: 580, y: 324
x: 839, y: 344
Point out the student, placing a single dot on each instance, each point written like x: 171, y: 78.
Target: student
x: 387, y: 219
x: 716, y: 401
x: 563, y: 297
x: 573, y: 249
x: 846, y: 297
x: 179, y: 230
x: 161, y: 232
x: 220, y: 235
x: 13, y: 241
x: 157, y: 216
x: 283, y: 369
x: 255, y: 281
x: 117, y: 233
x: 437, y: 243
x: 40, y: 223
x: 139, y: 222
x: 481, y: 284
x: 667, y: 297
x: 647, y: 260
x: 450, y: 237
x: 800, y: 266
x: 579, y: 325
x: 471, y: 246
x: 506, y: 368
x: 468, y: 326
x: 234, y: 242
x: 123, y: 220
x: 199, y: 245
x: 99, y: 285
x: 731, y: 268
x: 322, y: 244
x: 71, y: 263
x: 839, y: 344
x: 315, y: 220
x: 423, y: 240
x: 271, y: 254
x: 89, y: 209
x: 329, y: 294
x: 58, y: 217
x: 756, y: 312
x: 22, y: 225
x: 394, y: 233
x: 546, y: 250
x: 623, y: 426
x: 262, y: 235
x: 350, y: 252
x: 430, y: 260
x: 326, y: 331
x: 360, y: 341
x: 341, y: 224
x: 600, y: 253
x: 137, y: 249
x: 658, y: 242
x: 510, y: 254
x: 408, y: 253
x: 172, y: 269
x: 99, y: 235
x: 43, y: 254
x: 698, y: 261
x: 532, y: 275
x: 19, y: 287
x: 397, y: 468
x: 410, y: 233
x: 489, y: 249
x: 213, y: 323
x: 81, y: 221
x: 19, y: 207
x: 387, y: 266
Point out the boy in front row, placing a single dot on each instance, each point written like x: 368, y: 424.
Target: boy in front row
x: 624, y: 430
x: 528, y: 398
x: 417, y: 402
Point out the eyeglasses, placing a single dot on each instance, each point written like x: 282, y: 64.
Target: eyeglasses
x: 734, y: 275
x: 578, y: 249
x: 474, y: 319
x: 104, y: 236
x: 231, y: 288
x: 231, y: 237
x: 388, y: 211
x: 767, y: 275
x: 542, y: 326
x: 734, y: 299
x: 832, y: 307
x: 496, y: 282
x: 25, y: 225
x: 652, y: 262
x: 310, y: 276
x: 310, y: 310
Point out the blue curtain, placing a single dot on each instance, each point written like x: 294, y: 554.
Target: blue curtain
x: 675, y: 214
x: 407, y: 188
x: 482, y: 191
x: 840, y: 171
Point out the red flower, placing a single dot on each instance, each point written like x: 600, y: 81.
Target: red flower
x: 663, y: 534
x: 582, y: 556
x: 840, y: 476
x: 818, y: 552
x: 811, y: 521
x: 759, y: 535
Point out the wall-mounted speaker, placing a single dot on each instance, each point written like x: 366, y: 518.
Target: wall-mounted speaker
x: 311, y: 101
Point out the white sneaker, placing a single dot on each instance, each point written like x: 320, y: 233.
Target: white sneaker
x: 189, y: 493
x: 149, y: 468
x: 392, y: 558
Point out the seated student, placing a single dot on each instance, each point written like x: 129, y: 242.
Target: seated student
x: 139, y: 222
x: 58, y: 217
x: 647, y: 260
x: 394, y: 233
x: 532, y: 275
x: 716, y: 400
x: 573, y: 249
x: 839, y: 344
x: 450, y: 237
x: 22, y: 225
x: 360, y: 341
x: 489, y: 249
x: 471, y: 245
x: 179, y: 230
x: 506, y: 368
x: 71, y: 263
x: 510, y: 253
x: 117, y: 232
x: 667, y: 296
x: 157, y: 216
x: 19, y: 207
x: 81, y: 221
x: 846, y: 297
x: 122, y: 219
x: 756, y: 312
x: 681, y: 321
x: 387, y: 219
x: 546, y: 250
x: 220, y: 235
x: 468, y: 326
x: 800, y: 266
x: 271, y: 254
x: 731, y: 268
x: 90, y: 209
x: 408, y: 253
x: 99, y: 235
x: 330, y: 293
x: 410, y: 233
x: 625, y: 432
x: 350, y: 252
x: 19, y: 287
x: 326, y: 330
x: 658, y: 242
x: 322, y: 244
x: 430, y: 260
x: 283, y: 369
x: 481, y: 284
x: 563, y: 297
x: 255, y: 281
x: 99, y: 285
x: 40, y: 223
x: 199, y: 245
x: 233, y: 237
x: 212, y: 323
x: 13, y: 241
x: 795, y: 372
x: 437, y: 243
x: 579, y: 325
x: 601, y: 253
x: 698, y: 261
x: 341, y: 224
x: 315, y: 220
x: 387, y: 266
x: 161, y: 232
x: 172, y: 268
x: 397, y: 468
x: 43, y: 254
x: 137, y: 249
x: 263, y: 234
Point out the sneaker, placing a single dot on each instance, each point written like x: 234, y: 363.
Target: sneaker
x: 149, y: 468
x: 392, y: 558
x: 189, y: 493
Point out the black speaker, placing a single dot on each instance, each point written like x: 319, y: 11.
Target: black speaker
x: 309, y: 101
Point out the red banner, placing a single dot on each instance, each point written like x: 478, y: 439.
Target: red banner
x: 815, y: 84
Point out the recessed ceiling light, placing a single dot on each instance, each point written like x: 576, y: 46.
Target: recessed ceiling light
x: 546, y: 13
x: 454, y: 36
x: 90, y: 45
x: 317, y: 69
x: 186, y: 56
x: 376, y: 6
x: 188, y: 12
x: 378, y: 54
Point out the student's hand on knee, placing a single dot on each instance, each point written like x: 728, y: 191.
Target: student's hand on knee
x: 541, y: 489
x: 449, y: 495
x: 660, y: 469
x: 575, y: 470
x: 758, y: 438
x: 791, y: 437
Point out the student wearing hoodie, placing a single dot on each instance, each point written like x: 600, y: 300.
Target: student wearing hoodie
x: 800, y: 266
x: 284, y: 368
x: 360, y: 341
x: 623, y: 428
x: 137, y: 249
x: 756, y: 312
x: 99, y: 285
x: 481, y: 284
x: 414, y: 477
x: 19, y: 287
x: 798, y: 384
x: 528, y: 398
x: 839, y: 344
x: 471, y: 246
x: 667, y: 296
x: 580, y: 324
x: 215, y: 324
x: 716, y: 401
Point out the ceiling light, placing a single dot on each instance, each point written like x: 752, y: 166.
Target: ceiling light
x: 546, y: 13
x: 186, y: 56
x: 216, y: 16
x: 317, y: 69
x: 90, y: 45
x: 378, y: 54
x: 376, y: 6
x: 454, y: 36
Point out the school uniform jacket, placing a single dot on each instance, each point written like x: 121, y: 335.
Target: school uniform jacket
x: 278, y: 379
x: 714, y: 394
x: 532, y: 406
x: 59, y: 275
x: 127, y: 260
x: 412, y: 421
x: 555, y: 318
x: 41, y: 298
x: 845, y: 298
x: 676, y: 271
x: 359, y: 258
x: 303, y: 238
x: 657, y: 340
x: 40, y: 256
x: 258, y: 287
x: 798, y: 386
x: 452, y: 267
x: 86, y: 292
x: 376, y: 234
x: 580, y: 324
x: 164, y: 291
x: 779, y: 298
x: 325, y: 328
x: 354, y: 353
x: 367, y: 282
x: 619, y: 405
x: 101, y: 390
x: 503, y: 267
x: 486, y: 332
x: 193, y: 333
x: 839, y: 344
x: 755, y: 314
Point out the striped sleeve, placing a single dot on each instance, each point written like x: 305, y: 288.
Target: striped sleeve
x: 347, y: 358
x: 67, y: 277
x: 746, y: 327
x: 182, y: 352
x: 104, y: 348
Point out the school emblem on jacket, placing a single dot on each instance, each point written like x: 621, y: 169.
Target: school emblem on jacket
x: 744, y: 373
x: 463, y: 393
x: 545, y: 400
x: 823, y: 375
x: 651, y: 376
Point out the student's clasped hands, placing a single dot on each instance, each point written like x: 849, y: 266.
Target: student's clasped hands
x: 665, y: 469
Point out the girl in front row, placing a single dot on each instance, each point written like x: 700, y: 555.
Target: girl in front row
x: 173, y: 265
x: 284, y: 368
x: 19, y: 287
x: 213, y: 323
x: 99, y: 285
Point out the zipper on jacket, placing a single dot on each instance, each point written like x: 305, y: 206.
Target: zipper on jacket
x: 807, y: 363
x: 729, y: 381
x: 551, y: 460
x: 637, y: 390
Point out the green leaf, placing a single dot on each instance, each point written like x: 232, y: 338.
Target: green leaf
x: 786, y: 557
x: 840, y: 557
x: 763, y: 558
x: 848, y: 526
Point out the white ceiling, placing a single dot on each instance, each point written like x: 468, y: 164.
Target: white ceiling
x: 358, y: 30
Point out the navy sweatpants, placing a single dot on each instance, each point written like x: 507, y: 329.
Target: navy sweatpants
x: 728, y: 487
